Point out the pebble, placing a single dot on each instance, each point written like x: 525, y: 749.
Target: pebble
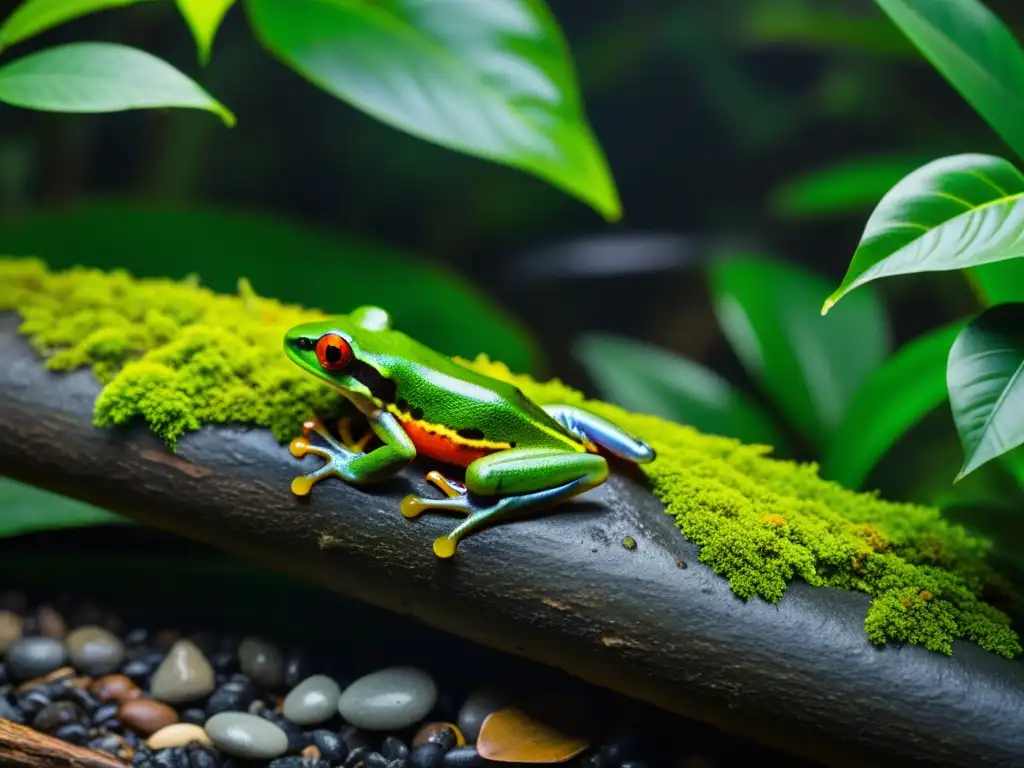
x: 118, y: 688
x: 185, y: 675
x: 313, y: 701
x: 53, y: 716
x: 10, y: 630
x: 477, y: 706
x: 261, y: 660
x: 94, y: 651
x: 51, y: 624
x: 332, y: 747
x: 33, y: 657
x: 531, y: 734
x: 178, y: 735
x: 445, y: 734
x: 246, y: 736
x: 146, y: 716
x: 389, y: 699
x: 75, y: 733
x: 463, y: 757
x: 233, y: 696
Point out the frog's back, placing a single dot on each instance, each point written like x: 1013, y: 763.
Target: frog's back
x: 453, y: 413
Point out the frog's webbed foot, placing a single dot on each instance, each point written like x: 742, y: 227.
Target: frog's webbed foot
x: 335, y: 455
x: 456, y: 499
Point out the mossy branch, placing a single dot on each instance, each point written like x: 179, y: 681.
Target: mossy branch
x: 654, y: 619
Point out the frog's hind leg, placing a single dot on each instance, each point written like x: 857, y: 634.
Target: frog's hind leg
x: 508, y: 484
x: 602, y: 433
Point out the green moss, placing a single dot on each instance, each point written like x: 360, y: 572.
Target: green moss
x: 179, y: 356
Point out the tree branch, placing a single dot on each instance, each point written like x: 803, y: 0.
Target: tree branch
x: 651, y: 622
x: 22, y: 747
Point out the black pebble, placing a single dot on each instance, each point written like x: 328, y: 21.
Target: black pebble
x: 633, y: 764
x: 137, y: 670
x: 376, y: 760
x: 201, y: 757
x: 53, y: 716
x: 75, y: 733
x: 194, y: 715
x: 354, y: 738
x: 297, y: 739
x: 10, y: 712
x: 79, y: 696
x: 332, y: 747
x: 463, y: 757
x: 223, y: 662
x: 171, y: 758
x: 296, y: 669
x: 107, y: 743
x: 31, y: 702
x: 105, y: 713
x: 133, y: 739
x: 136, y: 637
x: 233, y: 696
x: 427, y: 756
x: 393, y: 748
x: 623, y: 745
x: 356, y: 756
x: 299, y: 762
x: 3, y: 673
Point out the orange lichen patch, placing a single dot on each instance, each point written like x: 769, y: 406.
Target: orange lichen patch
x: 924, y: 594
x: 550, y: 730
x: 873, y: 537
x: 777, y: 520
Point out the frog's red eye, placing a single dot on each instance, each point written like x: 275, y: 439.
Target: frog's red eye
x: 333, y: 352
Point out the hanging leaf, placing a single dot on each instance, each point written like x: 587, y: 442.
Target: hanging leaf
x: 27, y: 509
x: 986, y: 385
x: 953, y: 213
x: 893, y: 398
x: 35, y: 16
x: 645, y: 379
x: 844, y: 187
x: 101, y: 77
x: 203, y: 18
x: 492, y: 79
x: 810, y: 369
x: 975, y: 52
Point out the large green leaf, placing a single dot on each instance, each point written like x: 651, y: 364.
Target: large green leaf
x: 953, y: 213
x: 281, y: 259
x: 986, y: 385
x: 203, y: 18
x: 101, y: 77
x: 975, y: 52
x: 26, y: 509
x: 492, y: 79
x: 645, y: 379
x: 850, y: 185
x: 767, y: 310
x: 35, y: 16
x: 893, y: 398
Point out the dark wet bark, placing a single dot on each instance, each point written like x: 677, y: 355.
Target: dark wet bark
x: 651, y: 622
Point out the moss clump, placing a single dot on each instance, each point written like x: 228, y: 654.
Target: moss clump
x: 180, y: 356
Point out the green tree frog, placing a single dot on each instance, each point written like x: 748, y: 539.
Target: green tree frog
x: 518, y: 456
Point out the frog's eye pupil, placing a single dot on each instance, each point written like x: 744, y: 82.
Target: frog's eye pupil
x: 333, y: 352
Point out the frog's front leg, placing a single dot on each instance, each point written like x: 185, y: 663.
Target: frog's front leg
x: 507, y: 484
x: 396, y: 451
x: 597, y: 431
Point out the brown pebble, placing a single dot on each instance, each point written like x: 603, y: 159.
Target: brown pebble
x: 545, y: 730
x: 10, y: 630
x: 52, y: 677
x: 446, y: 735
x: 312, y: 752
x: 178, y: 735
x: 115, y: 688
x: 146, y: 716
x: 49, y: 623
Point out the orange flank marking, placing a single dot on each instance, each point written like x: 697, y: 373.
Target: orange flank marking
x: 442, y: 447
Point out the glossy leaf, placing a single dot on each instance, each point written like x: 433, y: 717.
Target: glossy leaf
x: 27, y: 509
x: 492, y: 79
x: 975, y: 52
x: 985, y: 377
x: 851, y: 185
x: 204, y: 18
x: 292, y: 263
x: 645, y: 379
x: 101, y: 77
x: 953, y: 213
x: 35, y: 16
x: 892, y: 399
x: 811, y: 369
